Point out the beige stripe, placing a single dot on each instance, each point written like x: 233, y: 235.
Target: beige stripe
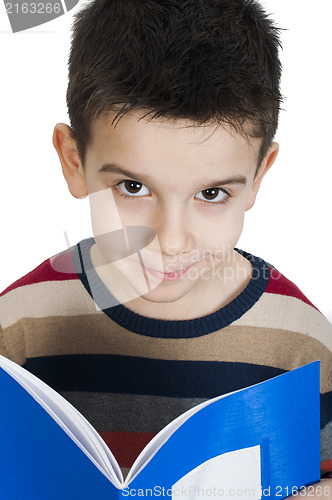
x: 288, y: 313
x: 49, y: 298
x: 97, y: 334
x: 70, y: 298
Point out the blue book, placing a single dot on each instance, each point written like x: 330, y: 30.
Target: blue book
x: 261, y: 441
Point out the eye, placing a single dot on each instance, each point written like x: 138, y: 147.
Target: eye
x: 131, y: 188
x: 214, y: 195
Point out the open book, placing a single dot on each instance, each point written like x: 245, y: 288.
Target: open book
x: 256, y: 442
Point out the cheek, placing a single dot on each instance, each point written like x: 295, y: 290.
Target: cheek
x: 224, y: 232
x: 235, y: 232
x: 105, y: 216
x: 134, y: 212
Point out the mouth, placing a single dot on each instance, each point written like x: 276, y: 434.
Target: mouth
x: 168, y: 276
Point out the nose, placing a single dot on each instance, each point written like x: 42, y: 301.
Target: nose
x: 174, y: 232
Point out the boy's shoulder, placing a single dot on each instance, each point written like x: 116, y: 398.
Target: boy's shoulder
x: 283, y: 307
x: 279, y: 284
x: 52, y: 288
x: 57, y: 268
x: 50, y: 294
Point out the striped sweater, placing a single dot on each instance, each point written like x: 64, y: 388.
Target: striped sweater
x: 130, y: 375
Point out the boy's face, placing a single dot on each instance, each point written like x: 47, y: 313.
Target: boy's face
x: 190, y: 185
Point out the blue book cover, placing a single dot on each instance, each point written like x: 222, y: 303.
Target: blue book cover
x: 261, y: 441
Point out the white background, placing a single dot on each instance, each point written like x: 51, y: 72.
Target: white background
x: 289, y: 225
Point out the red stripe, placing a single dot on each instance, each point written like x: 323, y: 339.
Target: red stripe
x: 126, y: 446
x: 326, y: 466
x: 280, y: 285
x: 58, y: 268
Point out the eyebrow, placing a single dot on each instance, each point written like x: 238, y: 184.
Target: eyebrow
x: 113, y: 168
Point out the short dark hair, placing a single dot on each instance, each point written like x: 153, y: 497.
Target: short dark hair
x: 209, y: 61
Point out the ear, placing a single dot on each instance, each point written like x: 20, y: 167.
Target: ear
x: 266, y: 164
x: 72, y: 168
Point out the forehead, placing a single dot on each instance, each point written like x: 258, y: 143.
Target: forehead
x: 171, y: 143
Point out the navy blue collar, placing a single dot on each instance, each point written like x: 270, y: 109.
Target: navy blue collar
x: 169, y: 328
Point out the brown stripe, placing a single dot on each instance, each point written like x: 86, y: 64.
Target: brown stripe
x: 97, y: 334
x: 12, y: 343
x: 3, y: 345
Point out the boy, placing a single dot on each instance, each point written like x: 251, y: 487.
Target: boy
x: 173, y: 109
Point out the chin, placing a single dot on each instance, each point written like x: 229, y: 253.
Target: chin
x: 167, y: 292
x: 162, y: 296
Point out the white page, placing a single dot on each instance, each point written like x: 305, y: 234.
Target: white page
x: 236, y: 474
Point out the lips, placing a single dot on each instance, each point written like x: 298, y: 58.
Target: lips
x: 168, y: 276
x: 172, y: 265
